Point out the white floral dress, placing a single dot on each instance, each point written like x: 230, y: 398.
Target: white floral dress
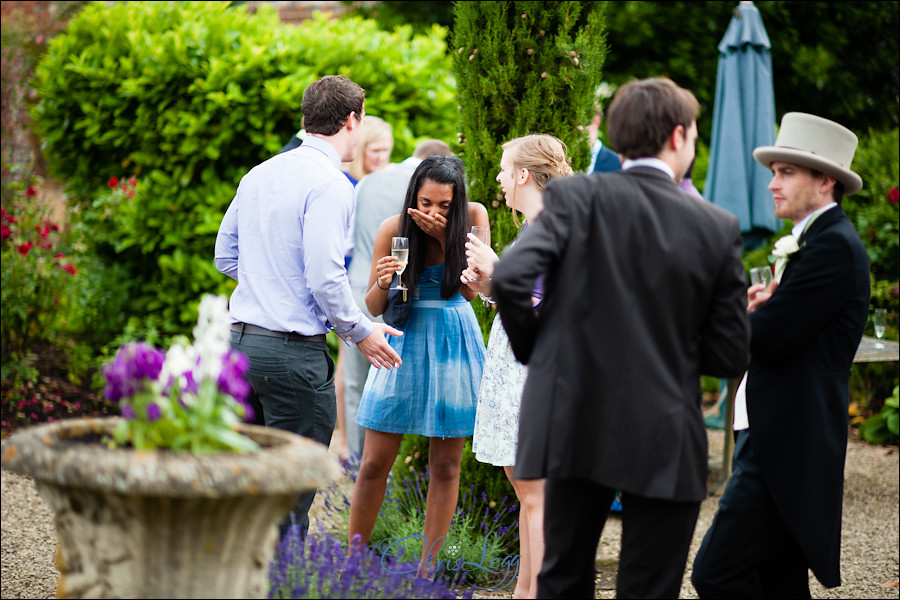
x: 497, y: 412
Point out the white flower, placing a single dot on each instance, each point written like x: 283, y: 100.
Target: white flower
x: 180, y: 359
x: 785, y: 247
x: 212, y: 333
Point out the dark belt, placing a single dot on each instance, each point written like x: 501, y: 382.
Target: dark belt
x: 254, y: 330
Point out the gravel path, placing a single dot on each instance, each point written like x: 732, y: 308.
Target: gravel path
x: 869, y: 553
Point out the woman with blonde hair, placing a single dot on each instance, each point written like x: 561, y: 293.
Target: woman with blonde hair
x: 373, y: 153
x: 527, y: 164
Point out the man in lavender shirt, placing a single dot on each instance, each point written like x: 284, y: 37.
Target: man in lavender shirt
x: 282, y: 240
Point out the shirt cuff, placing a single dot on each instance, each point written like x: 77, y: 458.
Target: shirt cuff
x: 357, y: 333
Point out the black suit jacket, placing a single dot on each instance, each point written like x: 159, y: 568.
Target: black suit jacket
x: 804, y: 341
x: 645, y: 291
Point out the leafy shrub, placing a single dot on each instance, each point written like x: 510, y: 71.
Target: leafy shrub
x: 883, y: 426
x: 874, y: 209
x: 58, y: 300
x: 38, y: 271
x: 188, y: 96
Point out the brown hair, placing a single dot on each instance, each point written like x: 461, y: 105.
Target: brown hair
x: 327, y: 102
x: 543, y: 155
x: 837, y: 192
x: 432, y: 147
x: 644, y: 113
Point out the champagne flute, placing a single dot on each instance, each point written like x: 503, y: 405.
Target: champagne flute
x: 481, y: 233
x: 400, y: 251
x: 879, y: 320
x: 761, y: 275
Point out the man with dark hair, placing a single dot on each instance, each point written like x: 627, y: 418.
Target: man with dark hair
x: 644, y: 293
x: 780, y: 515
x: 282, y: 240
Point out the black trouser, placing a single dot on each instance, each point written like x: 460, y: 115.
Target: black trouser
x: 749, y: 551
x: 656, y: 538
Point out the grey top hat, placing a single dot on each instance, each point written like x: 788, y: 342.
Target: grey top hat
x: 814, y: 143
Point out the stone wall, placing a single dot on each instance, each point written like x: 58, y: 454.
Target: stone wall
x: 292, y: 11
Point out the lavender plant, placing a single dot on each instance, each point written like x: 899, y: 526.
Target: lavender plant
x: 481, y: 547
x: 319, y: 566
x: 188, y: 399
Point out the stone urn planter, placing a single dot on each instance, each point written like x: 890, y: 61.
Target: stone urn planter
x: 155, y: 524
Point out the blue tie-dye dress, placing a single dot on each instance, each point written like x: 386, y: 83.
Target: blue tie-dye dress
x: 434, y: 391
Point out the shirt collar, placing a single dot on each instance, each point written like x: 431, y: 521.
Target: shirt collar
x: 316, y: 143
x: 648, y: 161
x: 800, y: 228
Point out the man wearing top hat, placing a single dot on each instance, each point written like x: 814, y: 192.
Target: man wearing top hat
x: 781, y: 511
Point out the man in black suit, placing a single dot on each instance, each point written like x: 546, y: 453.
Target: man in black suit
x: 644, y: 292
x: 781, y: 510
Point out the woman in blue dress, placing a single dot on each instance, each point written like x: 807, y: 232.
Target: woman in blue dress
x: 434, y: 391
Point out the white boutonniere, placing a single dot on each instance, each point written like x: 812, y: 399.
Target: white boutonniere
x: 782, y: 251
x: 785, y: 247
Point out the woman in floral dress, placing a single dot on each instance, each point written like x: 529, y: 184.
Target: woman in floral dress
x: 527, y: 164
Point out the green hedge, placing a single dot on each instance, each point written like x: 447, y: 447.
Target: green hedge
x: 522, y: 68
x: 187, y: 97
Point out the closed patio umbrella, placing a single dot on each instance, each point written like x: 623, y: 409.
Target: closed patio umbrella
x: 743, y: 118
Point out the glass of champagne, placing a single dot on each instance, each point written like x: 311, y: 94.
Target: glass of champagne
x: 481, y: 233
x: 761, y: 275
x: 879, y: 320
x: 400, y: 251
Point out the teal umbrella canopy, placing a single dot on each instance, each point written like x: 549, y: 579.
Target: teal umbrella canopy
x: 743, y: 119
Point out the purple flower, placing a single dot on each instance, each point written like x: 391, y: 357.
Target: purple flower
x: 143, y: 361
x: 190, y: 385
x: 135, y: 365
x: 232, y: 380
x: 153, y: 412
x: 127, y: 412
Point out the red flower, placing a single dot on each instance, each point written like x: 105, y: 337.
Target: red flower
x: 5, y: 232
x: 113, y: 182
x: 24, y: 249
x: 69, y: 268
x: 30, y: 191
x: 893, y: 196
x: 9, y: 217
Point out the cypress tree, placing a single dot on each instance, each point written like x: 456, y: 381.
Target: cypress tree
x: 521, y: 68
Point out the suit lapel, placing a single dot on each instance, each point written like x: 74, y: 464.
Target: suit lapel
x: 820, y: 224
